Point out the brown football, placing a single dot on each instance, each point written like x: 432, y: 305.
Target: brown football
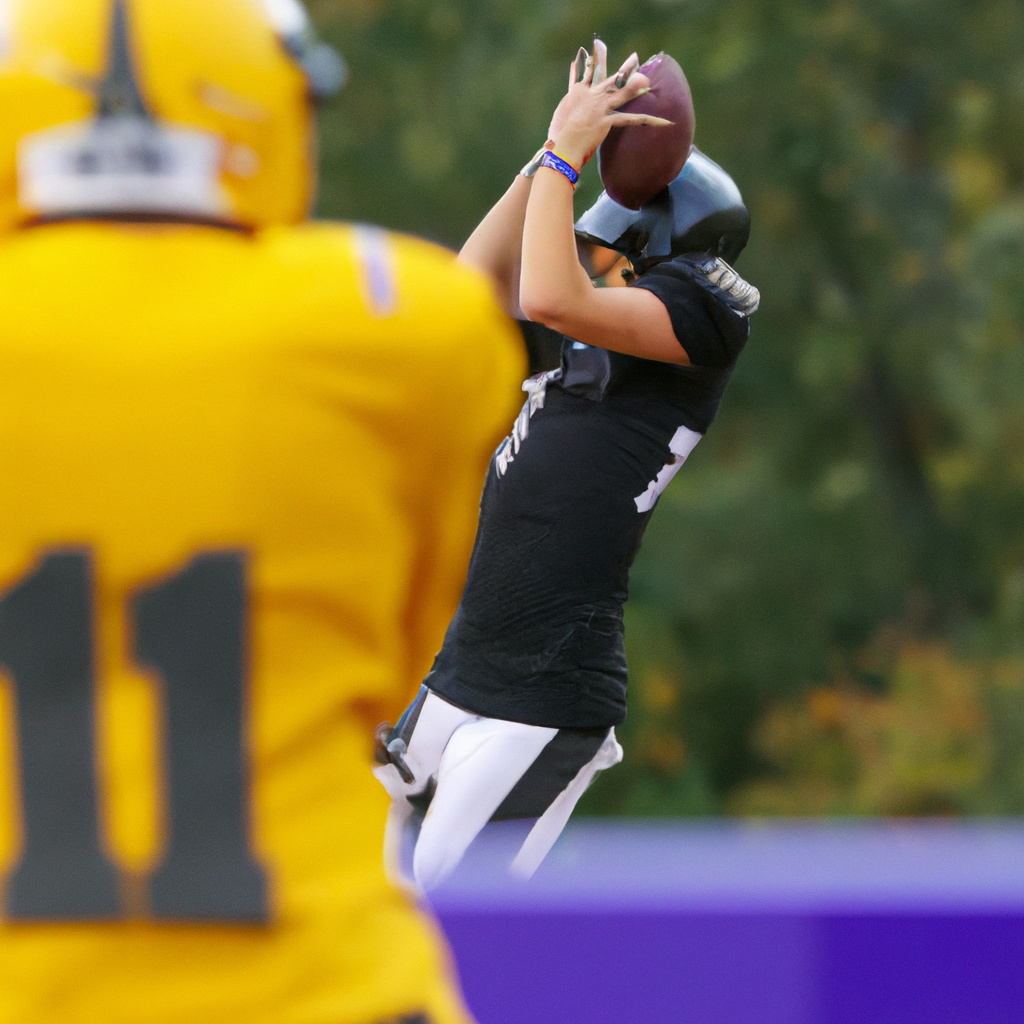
x: 636, y: 162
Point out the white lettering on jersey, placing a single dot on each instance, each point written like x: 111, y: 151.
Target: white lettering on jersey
x: 537, y: 388
x: 376, y: 271
x: 128, y: 164
x: 683, y: 442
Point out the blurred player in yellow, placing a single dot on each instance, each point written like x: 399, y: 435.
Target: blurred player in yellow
x: 240, y: 458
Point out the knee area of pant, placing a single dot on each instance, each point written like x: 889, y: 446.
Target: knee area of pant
x: 432, y: 862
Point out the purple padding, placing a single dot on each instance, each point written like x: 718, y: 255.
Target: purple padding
x: 619, y: 968
x: 726, y: 923
x: 921, y: 970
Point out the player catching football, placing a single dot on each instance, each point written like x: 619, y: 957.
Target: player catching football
x: 519, y: 710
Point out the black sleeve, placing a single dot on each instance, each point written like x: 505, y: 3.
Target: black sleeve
x: 543, y: 346
x: 710, y: 331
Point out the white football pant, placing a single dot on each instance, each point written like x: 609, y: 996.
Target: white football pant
x: 467, y: 770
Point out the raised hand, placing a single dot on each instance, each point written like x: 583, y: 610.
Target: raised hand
x: 589, y: 110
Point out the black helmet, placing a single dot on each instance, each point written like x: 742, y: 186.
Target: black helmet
x: 700, y: 211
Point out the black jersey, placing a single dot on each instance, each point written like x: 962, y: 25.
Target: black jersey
x: 538, y: 635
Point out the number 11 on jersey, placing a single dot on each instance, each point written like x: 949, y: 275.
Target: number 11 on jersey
x: 190, y: 629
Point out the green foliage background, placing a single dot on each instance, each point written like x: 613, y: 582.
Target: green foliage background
x: 828, y: 613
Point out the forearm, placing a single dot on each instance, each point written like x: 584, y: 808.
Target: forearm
x: 556, y: 291
x: 495, y: 246
x: 552, y: 280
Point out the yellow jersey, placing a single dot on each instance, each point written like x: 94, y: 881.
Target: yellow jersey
x: 239, y: 477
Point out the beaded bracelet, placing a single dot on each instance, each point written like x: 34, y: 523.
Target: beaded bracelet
x: 560, y: 164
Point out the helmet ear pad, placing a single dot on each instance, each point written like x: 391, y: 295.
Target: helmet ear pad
x: 701, y: 211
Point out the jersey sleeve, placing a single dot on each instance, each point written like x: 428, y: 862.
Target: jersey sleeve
x: 712, y: 333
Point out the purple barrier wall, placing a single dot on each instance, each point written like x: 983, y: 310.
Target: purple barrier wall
x: 881, y: 923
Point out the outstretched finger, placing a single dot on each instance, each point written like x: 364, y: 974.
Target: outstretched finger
x: 630, y: 65
x: 600, y: 60
x: 577, y: 66
x: 588, y: 70
x: 638, y: 85
x: 621, y: 120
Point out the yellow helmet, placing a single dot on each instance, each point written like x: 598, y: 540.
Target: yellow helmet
x: 199, y: 109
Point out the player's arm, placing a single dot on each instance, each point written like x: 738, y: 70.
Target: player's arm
x: 554, y: 287
x: 496, y: 245
x: 557, y: 292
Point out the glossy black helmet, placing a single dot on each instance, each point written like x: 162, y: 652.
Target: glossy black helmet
x: 700, y: 211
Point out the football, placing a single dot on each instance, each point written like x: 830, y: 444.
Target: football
x: 636, y: 162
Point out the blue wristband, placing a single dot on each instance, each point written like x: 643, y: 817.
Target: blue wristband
x: 556, y: 163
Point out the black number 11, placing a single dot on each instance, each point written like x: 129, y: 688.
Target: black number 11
x: 190, y: 629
